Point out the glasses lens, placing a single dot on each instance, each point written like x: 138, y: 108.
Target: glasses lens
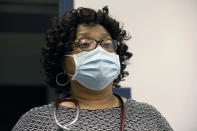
x: 110, y: 45
x: 86, y: 44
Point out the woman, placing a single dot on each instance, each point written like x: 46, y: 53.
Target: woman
x: 85, y: 55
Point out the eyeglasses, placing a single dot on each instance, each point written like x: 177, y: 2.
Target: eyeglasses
x: 86, y: 44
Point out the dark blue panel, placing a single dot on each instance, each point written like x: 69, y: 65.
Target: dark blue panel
x: 65, y: 5
x: 125, y: 92
x: 29, y: 3
x: 24, y: 22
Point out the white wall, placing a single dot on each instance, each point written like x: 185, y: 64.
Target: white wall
x: 163, y: 69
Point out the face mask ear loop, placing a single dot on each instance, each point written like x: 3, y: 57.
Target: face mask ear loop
x: 72, y: 76
x: 69, y: 55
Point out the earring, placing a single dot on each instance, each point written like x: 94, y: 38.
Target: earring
x: 60, y: 78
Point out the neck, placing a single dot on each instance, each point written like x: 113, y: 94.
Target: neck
x: 89, y: 99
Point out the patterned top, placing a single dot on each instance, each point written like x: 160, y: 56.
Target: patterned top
x: 138, y: 117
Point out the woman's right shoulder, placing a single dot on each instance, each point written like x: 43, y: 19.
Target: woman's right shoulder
x: 40, y: 110
x: 34, y: 117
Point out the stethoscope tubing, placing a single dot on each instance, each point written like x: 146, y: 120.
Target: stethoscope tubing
x: 122, y: 112
x: 56, y: 103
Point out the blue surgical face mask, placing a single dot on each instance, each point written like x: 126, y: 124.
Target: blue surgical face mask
x: 96, y: 69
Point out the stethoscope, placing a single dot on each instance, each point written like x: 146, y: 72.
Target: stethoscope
x: 57, y: 102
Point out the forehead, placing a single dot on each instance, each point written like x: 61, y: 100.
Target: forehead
x: 94, y: 31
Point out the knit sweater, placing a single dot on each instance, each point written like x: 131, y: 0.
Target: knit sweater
x: 138, y: 117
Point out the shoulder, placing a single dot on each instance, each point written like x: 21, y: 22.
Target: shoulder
x: 34, y: 118
x: 39, y: 111
x: 147, y: 114
x: 140, y: 106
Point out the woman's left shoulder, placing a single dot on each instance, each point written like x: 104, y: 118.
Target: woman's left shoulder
x: 132, y: 104
x: 146, y: 113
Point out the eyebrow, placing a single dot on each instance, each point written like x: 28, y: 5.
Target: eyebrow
x: 85, y: 33
x: 82, y: 33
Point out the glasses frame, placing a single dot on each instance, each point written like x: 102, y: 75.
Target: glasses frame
x: 76, y: 42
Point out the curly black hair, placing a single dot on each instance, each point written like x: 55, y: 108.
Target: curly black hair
x: 63, y: 31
